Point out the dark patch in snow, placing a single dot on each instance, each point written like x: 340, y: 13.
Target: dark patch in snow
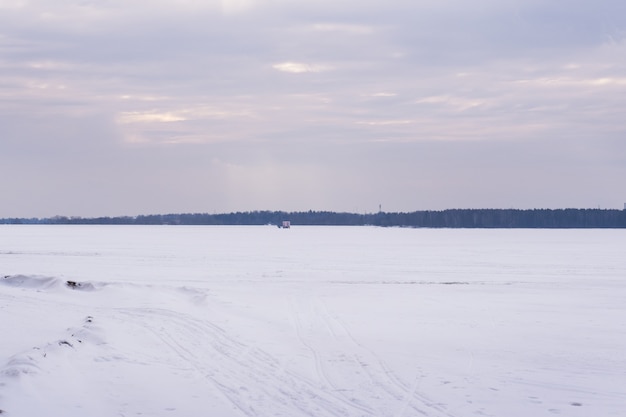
x: 65, y: 342
x: 576, y: 404
x: 75, y: 285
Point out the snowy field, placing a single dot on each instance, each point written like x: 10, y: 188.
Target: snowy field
x: 311, y: 321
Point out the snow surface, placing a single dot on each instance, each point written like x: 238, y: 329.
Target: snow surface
x: 311, y: 321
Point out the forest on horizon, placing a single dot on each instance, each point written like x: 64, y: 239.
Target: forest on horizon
x: 451, y: 218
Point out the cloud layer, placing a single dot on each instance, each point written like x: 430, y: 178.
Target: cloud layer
x: 111, y: 107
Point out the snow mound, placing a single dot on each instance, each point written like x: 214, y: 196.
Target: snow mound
x: 40, y: 283
x: 31, y: 282
x: 29, y: 363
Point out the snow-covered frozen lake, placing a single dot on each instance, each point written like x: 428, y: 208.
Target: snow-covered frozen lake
x: 311, y: 321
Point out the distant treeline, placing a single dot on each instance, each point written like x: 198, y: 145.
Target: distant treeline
x: 457, y: 218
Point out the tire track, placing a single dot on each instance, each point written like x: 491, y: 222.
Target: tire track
x: 407, y: 391
x: 381, y: 376
x: 345, y: 365
x: 319, y: 366
x: 249, y: 378
x: 369, y: 363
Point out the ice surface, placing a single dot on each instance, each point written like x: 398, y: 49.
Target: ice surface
x: 311, y: 321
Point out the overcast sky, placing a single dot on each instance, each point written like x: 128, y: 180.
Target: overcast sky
x: 117, y: 107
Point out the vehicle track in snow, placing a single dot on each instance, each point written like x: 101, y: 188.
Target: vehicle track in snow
x: 302, y: 332
x: 253, y: 381
x: 389, y: 378
x: 353, y: 370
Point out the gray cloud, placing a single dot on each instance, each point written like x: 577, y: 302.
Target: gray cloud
x: 111, y: 108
